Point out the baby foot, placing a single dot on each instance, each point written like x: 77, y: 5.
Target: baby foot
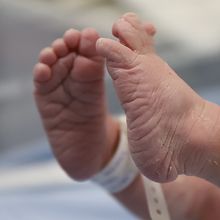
x: 161, y: 108
x: 69, y: 93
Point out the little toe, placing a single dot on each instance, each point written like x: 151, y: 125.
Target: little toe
x: 150, y: 29
x: 48, y: 56
x: 42, y: 73
x: 72, y: 38
x: 60, y: 48
x: 131, y: 32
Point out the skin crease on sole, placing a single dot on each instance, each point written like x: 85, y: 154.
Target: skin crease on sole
x: 160, y: 107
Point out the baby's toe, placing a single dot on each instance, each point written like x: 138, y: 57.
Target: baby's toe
x: 131, y: 32
x: 47, y: 56
x: 60, y: 48
x: 87, y: 46
x: 88, y: 65
x: 116, y: 54
x: 41, y: 74
x: 150, y: 29
x: 72, y: 38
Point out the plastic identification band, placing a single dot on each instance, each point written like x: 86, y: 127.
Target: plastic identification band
x: 121, y: 170
x: 156, y: 200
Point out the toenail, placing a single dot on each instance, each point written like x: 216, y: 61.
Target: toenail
x: 100, y: 42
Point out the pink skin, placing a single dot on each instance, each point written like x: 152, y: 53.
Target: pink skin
x: 161, y: 108
x: 69, y: 82
x: 192, y: 198
x: 69, y: 93
x: 70, y: 96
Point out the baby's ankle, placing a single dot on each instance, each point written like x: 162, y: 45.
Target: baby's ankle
x: 205, y: 137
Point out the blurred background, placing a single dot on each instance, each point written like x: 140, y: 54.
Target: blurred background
x: 32, y: 186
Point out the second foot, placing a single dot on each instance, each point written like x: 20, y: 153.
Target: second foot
x: 70, y: 96
x: 161, y: 108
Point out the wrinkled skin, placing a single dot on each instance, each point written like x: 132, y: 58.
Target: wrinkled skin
x: 69, y: 82
x: 69, y: 94
x: 161, y: 108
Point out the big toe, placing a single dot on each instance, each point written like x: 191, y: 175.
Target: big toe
x: 87, y: 46
x: 132, y: 32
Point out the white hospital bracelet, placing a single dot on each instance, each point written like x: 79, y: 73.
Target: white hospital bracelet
x: 156, y: 200
x: 121, y: 171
